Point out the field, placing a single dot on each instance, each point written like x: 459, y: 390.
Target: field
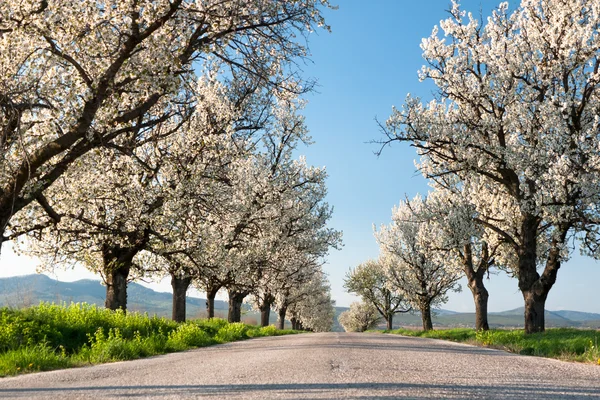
x: 562, y: 343
x: 50, y: 336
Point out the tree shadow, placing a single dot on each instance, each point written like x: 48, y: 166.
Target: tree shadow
x: 388, y: 390
x: 383, y: 343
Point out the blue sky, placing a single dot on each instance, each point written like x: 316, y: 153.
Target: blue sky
x: 365, y: 66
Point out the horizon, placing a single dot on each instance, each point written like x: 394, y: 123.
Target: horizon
x: 96, y: 279
x: 361, y: 74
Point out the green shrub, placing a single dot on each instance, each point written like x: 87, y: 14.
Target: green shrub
x: 188, y: 335
x: 563, y: 343
x: 232, y: 332
x: 269, y: 330
x: 212, y: 325
x: 50, y: 336
x: 32, y: 359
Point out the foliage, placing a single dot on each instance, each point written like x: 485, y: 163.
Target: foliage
x: 514, y: 119
x: 32, y: 358
x: 77, y: 76
x: 369, y: 280
x: 135, y: 167
x: 561, y: 343
x: 309, y: 304
x: 359, y: 318
x: 409, y: 250
x: 50, y: 336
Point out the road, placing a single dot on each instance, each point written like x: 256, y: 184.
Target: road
x: 320, y: 366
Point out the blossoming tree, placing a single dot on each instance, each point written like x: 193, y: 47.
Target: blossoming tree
x: 516, y: 115
x: 415, y: 267
x: 75, y: 76
x: 369, y: 280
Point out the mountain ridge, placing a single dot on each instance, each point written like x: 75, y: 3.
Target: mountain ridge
x: 28, y: 290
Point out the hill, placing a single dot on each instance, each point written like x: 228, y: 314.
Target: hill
x: 504, y: 319
x: 24, y: 291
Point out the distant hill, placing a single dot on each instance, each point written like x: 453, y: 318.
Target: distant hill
x: 24, y: 291
x: 28, y: 290
x: 504, y: 319
x: 577, y: 315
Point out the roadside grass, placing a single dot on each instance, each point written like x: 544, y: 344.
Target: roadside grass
x: 562, y: 343
x: 50, y: 336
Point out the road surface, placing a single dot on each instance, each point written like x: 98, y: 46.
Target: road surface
x: 320, y: 366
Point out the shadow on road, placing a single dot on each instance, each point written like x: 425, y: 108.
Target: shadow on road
x: 318, y: 390
x: 379, y: 343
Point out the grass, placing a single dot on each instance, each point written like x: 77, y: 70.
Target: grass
x: 562, y: 343
x: 50, y: 336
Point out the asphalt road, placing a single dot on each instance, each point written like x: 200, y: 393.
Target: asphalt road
x: 320, y: 366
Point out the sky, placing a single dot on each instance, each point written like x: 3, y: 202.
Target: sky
x: 366, y: 65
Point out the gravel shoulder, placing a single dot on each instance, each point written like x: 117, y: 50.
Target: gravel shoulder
x: 320, y: 366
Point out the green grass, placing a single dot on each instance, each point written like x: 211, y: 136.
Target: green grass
x: 51, y: 336
x: 561, y: 343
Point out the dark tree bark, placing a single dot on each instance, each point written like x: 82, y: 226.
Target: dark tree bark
x: 528, y: 276
x: 480, y: 297
x: 116, y: 288
x: 475, y: 283
x: 534, y: 312
x: 294, y: 322
x: 265, y: 308
x: 211, y: 293
x: 265, y: 314
x: 535, y: 288
x: 117, y: 263
x: 180, y: 286
x: 236, y: 299
x: 389, y: 319
x: 426, y: 316
x: 281, y: 321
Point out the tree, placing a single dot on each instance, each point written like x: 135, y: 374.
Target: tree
x: 516, y: 115
x: 370, y: 281
x: 82, y: 75
x: 359, y: 318
x: 104, y: 225
x: 279, y: 214
x: 407, y: 248
x: 464, y: 242
x: 316, y: 310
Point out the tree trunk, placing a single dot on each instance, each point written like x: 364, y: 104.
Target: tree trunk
x: 265, y: 315
x: 294, y: 322
x: 116, y: 265
x: 426, y: 317
x: 236, y: 299
x: 475, y: 283
x: 480, y: 297
x: 281, y: 320
x: 117, y: 262
x: 534, y: 312
x: 116, y: 289
x: 180, y: 287
x: 390, y: 321
x: 210, y: 305
x: 265, y: 308
x: 528, y: 275
x: 211, y: 293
